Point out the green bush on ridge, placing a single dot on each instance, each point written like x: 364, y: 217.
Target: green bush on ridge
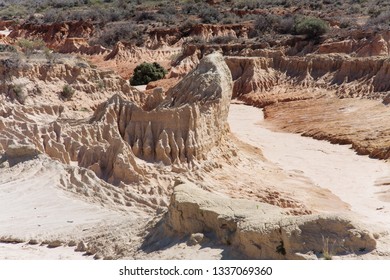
x: 313, y: 28
x: 147, y: 72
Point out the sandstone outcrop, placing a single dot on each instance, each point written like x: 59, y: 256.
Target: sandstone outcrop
x: 261, y: 231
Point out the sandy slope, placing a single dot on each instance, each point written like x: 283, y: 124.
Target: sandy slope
x: 37, y: 252
x: 355, y: 179
x: 33, y: 206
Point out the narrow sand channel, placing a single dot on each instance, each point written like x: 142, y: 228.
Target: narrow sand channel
x: 354, y: 179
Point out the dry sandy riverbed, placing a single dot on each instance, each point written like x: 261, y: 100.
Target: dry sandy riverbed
x: 357, y: 180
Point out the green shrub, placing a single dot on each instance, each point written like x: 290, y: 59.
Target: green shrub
x: 17, y: 93
x: 147, y: 72
x: 266, y: 23
x: 7, y: 48
x: 313, y: 28
x: 29, y: 47
x: 67, y: 92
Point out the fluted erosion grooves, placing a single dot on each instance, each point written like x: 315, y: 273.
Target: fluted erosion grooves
x: 268, y: 79
x: 187, y: 124
x: 184, y: 128
x: 258, y: 230
x: 368, y: 43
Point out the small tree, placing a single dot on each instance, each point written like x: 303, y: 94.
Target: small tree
x: 313, y: 28
x: 147, y: 72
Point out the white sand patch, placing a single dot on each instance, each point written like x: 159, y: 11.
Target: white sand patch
x: 33, y: 206
x: 36, y: 252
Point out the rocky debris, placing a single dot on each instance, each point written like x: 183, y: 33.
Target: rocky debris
x: 33, y: 242
x: 11, y: 240
x: 262, y: 231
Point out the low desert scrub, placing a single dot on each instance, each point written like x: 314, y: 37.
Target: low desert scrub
x: 113, y: 33
x: 31, y: 46
x: 266, y: 23
x: 67, y: 92
x: 273, y: 23
x: 312, y: 27
x: 17, y: 93
x: 381, y: 19
x: 222, y: 39
x: 7, y: 48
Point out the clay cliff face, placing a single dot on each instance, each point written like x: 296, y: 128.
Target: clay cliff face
x: 210, y: 31
x: 124, y: 57
x: 372, y: 44
x: 55, y: 34
x: 80, y: 45
x: 41, y: 80
x: 266, y: 80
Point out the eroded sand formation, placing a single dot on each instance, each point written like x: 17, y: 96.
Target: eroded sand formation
x: 126, y: 158
x: 118, y: 173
